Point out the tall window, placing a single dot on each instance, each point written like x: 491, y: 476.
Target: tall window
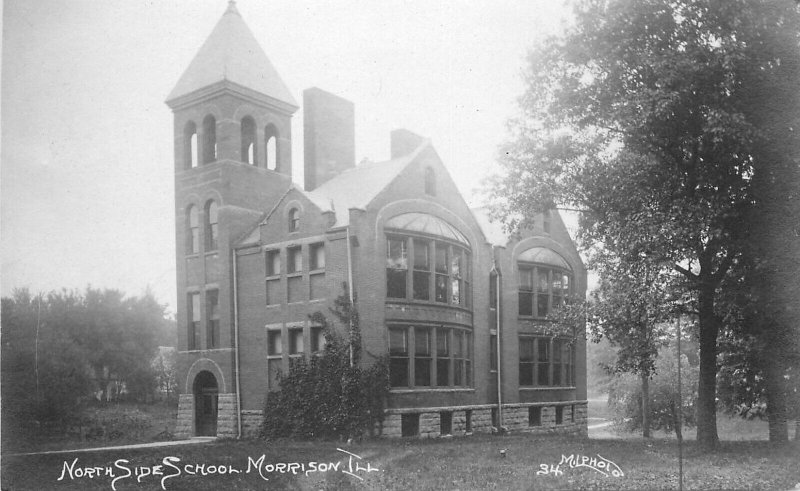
x: 190, y: 145
x: 542, y: 289
x: 422, y: 357
x: 422, y: 270
x: 431, y: 362
x: 546, y: 362
x: 396, y: 267
x: 294, y: 220
x: 212, y: 229
x: 274, y: 358
x: 209, y: 139
x: 398, y: 357
x: 271, y: 139
x: 316, y: 274
x: 294, y: 270
x: 212, y: 314
x: 248, y: 133
x: 193, y: 337
x: 192, y: 231
x: 440, y: 271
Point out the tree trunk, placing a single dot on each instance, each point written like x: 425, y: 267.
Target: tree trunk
x: 797, y: 430
x: 645, y: 405
x: 707, y: 385
x: 776, y: 399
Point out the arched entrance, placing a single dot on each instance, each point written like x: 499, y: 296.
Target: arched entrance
x: 205, y: 404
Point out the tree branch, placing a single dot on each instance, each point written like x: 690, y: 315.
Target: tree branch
x: 680, y: 269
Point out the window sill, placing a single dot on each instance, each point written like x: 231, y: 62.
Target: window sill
x: 420, y: 390
x: 567, y: 387
x: 296, y: 274
x: 273, y: 277
x: 215, y: 252
x: 192, y: 255
x: 425, y: 303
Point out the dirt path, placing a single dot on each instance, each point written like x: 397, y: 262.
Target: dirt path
x: 191, y: 441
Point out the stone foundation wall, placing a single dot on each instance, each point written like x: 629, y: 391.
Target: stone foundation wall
x: 516, y: 419
x: 227, y: 425
x: 184, y: 427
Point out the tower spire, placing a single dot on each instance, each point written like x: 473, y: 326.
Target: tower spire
x: 232, y: 8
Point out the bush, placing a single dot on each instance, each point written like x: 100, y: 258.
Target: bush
x: 625, y: 394
x: 326, y: 397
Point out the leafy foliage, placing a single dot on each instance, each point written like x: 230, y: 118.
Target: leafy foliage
x: 63, y: 349
x: 331, y: 395
x: 625, y: 394
x: 648, y: 116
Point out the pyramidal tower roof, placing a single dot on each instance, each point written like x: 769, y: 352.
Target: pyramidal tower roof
x: 231, y: 53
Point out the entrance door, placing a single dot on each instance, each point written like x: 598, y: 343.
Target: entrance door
x: 205, y: 404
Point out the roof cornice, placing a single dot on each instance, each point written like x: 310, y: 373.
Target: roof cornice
x: 226, y: 86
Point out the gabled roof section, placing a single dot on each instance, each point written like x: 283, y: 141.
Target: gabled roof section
x: 357, y: 187
x: 231, y: 53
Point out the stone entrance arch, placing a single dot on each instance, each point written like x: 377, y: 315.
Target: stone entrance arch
x: 206, y: 393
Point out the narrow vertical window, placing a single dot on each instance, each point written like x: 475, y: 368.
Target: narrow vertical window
x: 211, y: 228
x: 543, y: 361
x: 294, y: 220
x: 248, y: 133
x: 492, y: 290
x: 543, y: 282
x: 295, y: 262
x: 296, y: 345
x: 398, y: 357
x: 493, y: 352
x: 294, y: 283
x: 192, y: 230
x: 526, y: 360
x: 525, y: 291
x: 193, y: 338
x: 535, y: 416
x: 212, y: 313
x: 430, y: 182
x: 316, y: 278
x: 274, y: 358
x: 396, y: 267
x: 422, y: 357
x: 271, y: 140
x: 458, y: 357
x: 422, y: 270
x: 317, y: 339
x: 317, y: 256
x: 441, y: 272
x: 209, y: 139
x: 559, y: 415
x: 190, y: 145
x: 557, y: 360
x: 442, y: 357
x: 546, y: 222
x: 446, y: 422
x: 456, y: 278
x: 273, y: 262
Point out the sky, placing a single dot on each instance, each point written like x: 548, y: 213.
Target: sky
x: 86, y: 157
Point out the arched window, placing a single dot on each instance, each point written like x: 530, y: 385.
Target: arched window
x: 545, y: 279
x: 192, y: 231
x: 209, y: 139
x: 430, y: 182
x: 211, y: 232
x: 248, y: 140
x: 294, y: 220
x: 271, y: 139
x: 190, y: 145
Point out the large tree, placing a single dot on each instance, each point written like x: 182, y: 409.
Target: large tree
x: 640, y: 116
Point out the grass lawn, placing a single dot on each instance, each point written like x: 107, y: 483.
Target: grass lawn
x: 449, y: 463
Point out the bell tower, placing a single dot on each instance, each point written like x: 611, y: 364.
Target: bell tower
x: 232, y: 137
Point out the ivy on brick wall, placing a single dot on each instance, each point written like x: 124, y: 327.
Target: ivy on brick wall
x: 330, y: 396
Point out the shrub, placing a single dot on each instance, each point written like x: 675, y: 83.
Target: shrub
x: 328, y: 397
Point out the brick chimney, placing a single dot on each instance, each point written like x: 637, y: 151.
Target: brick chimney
x: 329, y: 136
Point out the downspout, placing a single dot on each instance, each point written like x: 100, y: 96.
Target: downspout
x: 350, y: 292
x: 236, y: 345
x: 497, y: 337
